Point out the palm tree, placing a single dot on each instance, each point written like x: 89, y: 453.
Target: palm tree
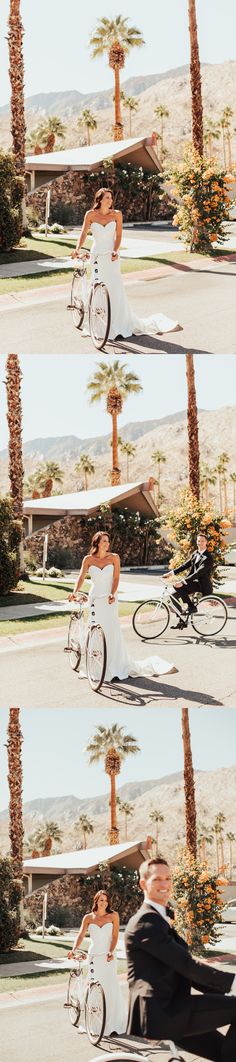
x: 85, y: 827
x: 156, y: 817
x: 159, y: 459
x: 207, y: 478
x: 222, y: 465
x: 195, y: 80
x: 189, y: 787
x: 16, y: 73
x: 115, y: 38
x: 233, y: 481
x: 211, y: 132
x: 88, y: 121
x: 132, y: 105
x: 226, y: 126
x: 192, y: 417
x: 86, y: 466
x: 46, y: 475
x: 14, y: 420
x: 204, y: 838
x: 128, y: 810
x: 219, y: 832
x: 115, y: 384
x: 43, y: 837
x: 112, y: 745
x: 230, y: 838
x: 161, y: 112
x: 15, y: 781
x: 48, y: 131
x: 129, y: 449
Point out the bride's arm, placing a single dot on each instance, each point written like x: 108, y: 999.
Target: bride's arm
x: 83, y: 234
x: 115, y: 935
x: 81, y: 577
x: 118, y: 236
x: 81, y: 934
x: 116, y: 577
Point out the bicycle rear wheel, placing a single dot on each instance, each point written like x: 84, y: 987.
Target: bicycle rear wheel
x: 73, y: 1002
x: 95, y: 1012
x: 99, y: 315
x: 211, y: 616
x: 77, y: 301
x: 96, y: 656
x: 151, y: 619
x: 74, y: 634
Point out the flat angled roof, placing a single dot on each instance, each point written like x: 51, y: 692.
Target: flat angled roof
x: 40, y: 872
x: 135, y: 496
x: 140, y: 151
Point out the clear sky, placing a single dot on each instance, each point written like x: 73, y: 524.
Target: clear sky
x: 56, y: 40
x: 55, y: 403
x: 55, y: 762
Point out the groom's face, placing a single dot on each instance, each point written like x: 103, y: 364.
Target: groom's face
x: 157, y: 886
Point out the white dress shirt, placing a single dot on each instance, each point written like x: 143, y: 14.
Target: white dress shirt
x: 157, y: 907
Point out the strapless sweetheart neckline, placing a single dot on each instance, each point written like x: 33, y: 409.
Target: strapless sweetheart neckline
x: 100, y: 927
x: 101, y: 226
x: 96, y: 566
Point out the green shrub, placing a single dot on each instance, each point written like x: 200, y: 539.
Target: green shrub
x: 10, y: 895
x: 11, y: 194
x: 30, y: 562
x: 10, y: 536
x: 54, y: 573
x: 56, y: 227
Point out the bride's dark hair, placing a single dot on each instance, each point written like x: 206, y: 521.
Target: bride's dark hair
x: 99, y: 197
x: 102, y: 892
x: 96, y: 540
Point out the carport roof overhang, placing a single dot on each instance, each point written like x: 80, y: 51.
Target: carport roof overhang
x: 41, y: 169
x: 39, y: 873
x: 42, y: 512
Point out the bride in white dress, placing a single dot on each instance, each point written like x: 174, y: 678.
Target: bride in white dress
x: 103, y: 926
x: 104, y: 569
x: 105, y: 223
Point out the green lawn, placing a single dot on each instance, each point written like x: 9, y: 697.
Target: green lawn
x: 11, y: 285
x: 34, y: 950
x: 15, y: 984
x: 45, y: 622
x: 35, y: 247
x: 27, y: 593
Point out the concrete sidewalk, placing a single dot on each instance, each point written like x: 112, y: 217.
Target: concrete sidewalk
x: 128, y: 592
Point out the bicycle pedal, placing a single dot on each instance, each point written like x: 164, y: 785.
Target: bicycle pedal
x: 70, y: 306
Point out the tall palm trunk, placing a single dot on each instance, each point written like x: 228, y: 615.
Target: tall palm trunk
x: 225, y: 495
x: 14, y: 419
x: 16, y: 73
x: 118, y: 128
x: 88, y: 135
x: 189, y: 788
x: 116, y: 476
x: 195, y: 79
x: 193, y: 443
x: 15, y: 779
x: 114, y: 837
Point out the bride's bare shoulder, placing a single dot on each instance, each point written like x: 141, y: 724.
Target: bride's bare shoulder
x: 118, y: 215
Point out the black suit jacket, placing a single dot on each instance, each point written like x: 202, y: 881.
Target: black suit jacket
x: 161, y: 972
x: 201, y: 566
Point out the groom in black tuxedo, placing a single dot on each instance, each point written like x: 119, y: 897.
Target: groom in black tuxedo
x: 199, y: 578
x: 162, y: 972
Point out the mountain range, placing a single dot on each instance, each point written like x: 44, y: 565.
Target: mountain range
x: 214, y: 793
x: 171, y: 88
x: 217, y: 433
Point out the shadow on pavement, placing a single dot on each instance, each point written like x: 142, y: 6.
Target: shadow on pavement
x: 133, y: 693
x: 150, y: 345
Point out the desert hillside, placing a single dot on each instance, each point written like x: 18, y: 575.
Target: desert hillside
x: 214, y: 794
x: 217, y: 433
x: 171, y: 89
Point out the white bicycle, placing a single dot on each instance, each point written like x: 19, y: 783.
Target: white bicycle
x: 86, y: 1002
x: 88, y: 641
x: 92, y: 301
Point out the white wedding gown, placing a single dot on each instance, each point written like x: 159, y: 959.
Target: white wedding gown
x: 123, y: 321
x: 106, y: 973
x: 118, y: 663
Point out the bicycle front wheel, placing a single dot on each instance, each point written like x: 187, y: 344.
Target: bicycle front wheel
x: 151, y: 619
x: 99, y: 315
x: 210, y: 618
x: 77, y: 302
x: 96, y: 656
x: 95, y: 1012
x: 74, y: 646
x: 73, y: 1001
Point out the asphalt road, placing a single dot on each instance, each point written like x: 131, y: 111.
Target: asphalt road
x: 40, y: 676
x: 42, y: 1032
x: 203, y: 302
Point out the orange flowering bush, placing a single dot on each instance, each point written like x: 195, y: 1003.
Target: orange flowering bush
x: 204, y: 202
x: 197, y: 895
x: 184, y: 523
